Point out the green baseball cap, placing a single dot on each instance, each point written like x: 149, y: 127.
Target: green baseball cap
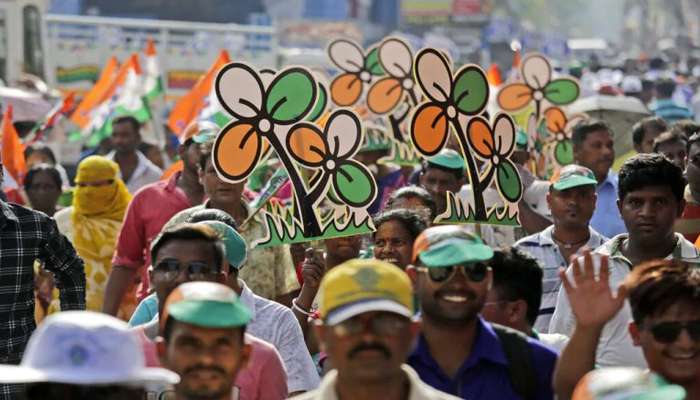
x: 445, y: 246
x: 448, y: 158
x: 205, y: 304
x: 234, y: 244
x: 572, y: 176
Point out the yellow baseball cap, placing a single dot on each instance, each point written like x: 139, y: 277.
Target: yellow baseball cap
x: 359, y: 286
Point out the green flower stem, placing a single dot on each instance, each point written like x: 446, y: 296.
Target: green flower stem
x: 477, y: 190
x: 304, y: 210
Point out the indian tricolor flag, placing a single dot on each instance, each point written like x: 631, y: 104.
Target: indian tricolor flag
x: 153, y: 80
x: 124, y: 98
x: 200, y: 102
x: 97, y: 95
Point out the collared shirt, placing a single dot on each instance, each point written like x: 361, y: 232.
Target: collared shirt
x: 27, y: 235
x: 269, y: 272
x: 542, y: 248
x: 606, y: 217
x: 148, y: 211
x: 615, y: 347
x: 145, y: 172
x: 669, y: 111
x: 418, y: 390
x: 275, y: 324
x: 484, y: 374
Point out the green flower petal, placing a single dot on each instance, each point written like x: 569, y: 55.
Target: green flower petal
x: 290, y: 96
x: 508, y: 181
x: 471, y: 90
x: 564, y: 152
x: 354, y: 184
x: 321, y: 103
x: 561, y: 91
x: 372, y: 63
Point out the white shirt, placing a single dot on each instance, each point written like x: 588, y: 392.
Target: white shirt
x: 418, y: 390
x: 615, y: 347
x: 146, y: 172
x: 276, y: 324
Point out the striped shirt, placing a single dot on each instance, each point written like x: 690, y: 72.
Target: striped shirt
x: 542, y: 248
x: 670, y: 112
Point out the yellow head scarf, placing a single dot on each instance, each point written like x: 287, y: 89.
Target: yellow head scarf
x: 97, y: 217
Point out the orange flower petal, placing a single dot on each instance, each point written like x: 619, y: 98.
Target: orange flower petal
x: 346, y: 89
x: 305, y: 143
x: 514, y: 96
x: 429, y: 129
x: 480, y: 137
x: 556, y: 119
x: 236, y: 151
x: 384, y: 95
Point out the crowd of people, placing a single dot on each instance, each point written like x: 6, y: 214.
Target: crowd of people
x: 128, y: 283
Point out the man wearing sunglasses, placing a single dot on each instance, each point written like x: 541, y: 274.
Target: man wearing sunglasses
x: 663, y: 297
x: 458, y: 352
x: 689, y: 223
x: 365, y: 307
x: 650, y: 199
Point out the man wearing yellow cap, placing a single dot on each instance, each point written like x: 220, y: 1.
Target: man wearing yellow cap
x: 367, y: 332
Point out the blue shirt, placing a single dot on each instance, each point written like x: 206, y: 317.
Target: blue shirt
x: 484, y: 374
x: 606, y: 217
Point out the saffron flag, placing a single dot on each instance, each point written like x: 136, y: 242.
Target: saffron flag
x: 12, y: 151
x: 190, y: 106
x: 96, y: 95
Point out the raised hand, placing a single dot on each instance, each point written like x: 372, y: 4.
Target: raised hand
x: 592, y: 301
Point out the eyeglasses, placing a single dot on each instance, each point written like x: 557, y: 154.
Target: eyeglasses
x: 170, y: 269
x: 475, y: 272
x: 668, y: 332
x: 380, y: 325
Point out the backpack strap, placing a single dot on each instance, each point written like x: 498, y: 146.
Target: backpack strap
x: 519, y: 356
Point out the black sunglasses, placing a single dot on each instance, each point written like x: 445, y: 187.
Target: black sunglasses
x: 171, y: 268
x: 668, y: 332
x: 476, y: 272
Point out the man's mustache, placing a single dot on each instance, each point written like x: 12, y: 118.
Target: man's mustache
x: 205, y: 368
x: 370, y: 346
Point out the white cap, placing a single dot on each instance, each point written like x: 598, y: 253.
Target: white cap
x: 84, y: 348
x: 631, y: 84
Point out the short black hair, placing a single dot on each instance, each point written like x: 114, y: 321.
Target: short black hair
x: 170, y: 326
x: 586, y: 127
x: 128, y: 119
x: 686, y: 128
x: 191, y: 232
x: 459, y: 173
x: 517, y: 276
x: 657, y: 285
x: 43, y: 167
x: 645, y: 125
x: 410, y: 220
x: 669, y: 137
x: 651, y: 169
x: 414, y: 191
x: 40, y: 148
x: 665, y: 88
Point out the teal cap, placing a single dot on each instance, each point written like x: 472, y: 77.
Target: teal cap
x: 205, y: 304
x: 448, y: 158
x: 626, y: 383
x: 445, y: 246
x: 234, y: 244
x: 572, y: 176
